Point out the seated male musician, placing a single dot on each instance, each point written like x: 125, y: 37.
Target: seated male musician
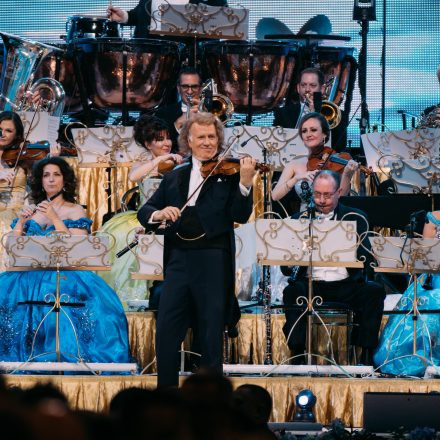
x: 189, y: 86
x: 335, y: 284
x: 140, y: 16
x: 199, y: 247
x: 311, y: 80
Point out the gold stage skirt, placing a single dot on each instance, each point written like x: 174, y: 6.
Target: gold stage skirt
x: 336, y: 397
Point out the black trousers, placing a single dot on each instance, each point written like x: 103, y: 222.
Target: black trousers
x: 195, y: 287
x: 365, y: 297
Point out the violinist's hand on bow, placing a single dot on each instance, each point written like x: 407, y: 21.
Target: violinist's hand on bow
x: 248, y: 169
x: 170, y: 213
x: 7, y: 175
x: 27, y: 212
x: 350, y: 168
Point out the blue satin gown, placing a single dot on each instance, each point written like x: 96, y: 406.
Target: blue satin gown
x: 101, y: 324
x: 397, y: 337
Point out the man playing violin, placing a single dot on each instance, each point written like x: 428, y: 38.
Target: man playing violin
x: 311, y: 81
x: 335, y: 284
x: 199, y: 251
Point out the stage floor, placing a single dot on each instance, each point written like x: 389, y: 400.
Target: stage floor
x: 336, y: 397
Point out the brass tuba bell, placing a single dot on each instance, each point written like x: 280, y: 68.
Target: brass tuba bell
x: 221, y: 106
x: 22, y: 60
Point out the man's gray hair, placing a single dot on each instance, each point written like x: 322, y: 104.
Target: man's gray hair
x: 201, y: 118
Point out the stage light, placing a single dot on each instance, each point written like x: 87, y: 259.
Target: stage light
x: 305, y: 401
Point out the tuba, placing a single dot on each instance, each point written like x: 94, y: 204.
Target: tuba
x: 51, y: 94
x: 22, y: 60
x: 220, y: 106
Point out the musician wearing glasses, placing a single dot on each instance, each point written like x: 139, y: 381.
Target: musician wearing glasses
x: 189, y: 86
x: 199, y: 247
x: 311, y: 81
x: 140, y: 16
x: 335, y: 284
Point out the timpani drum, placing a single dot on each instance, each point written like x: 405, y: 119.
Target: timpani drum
x: 256, y: 70
x: 135, y: 74
x: 87, y: 26
x: 59, y: 66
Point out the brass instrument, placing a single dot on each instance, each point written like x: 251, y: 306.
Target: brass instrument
x: 188, y: 106
x: 22, y: 60
x: 330, y: 111
x: 51, y: 94
x: 430, y: 120
x: 222, y: 107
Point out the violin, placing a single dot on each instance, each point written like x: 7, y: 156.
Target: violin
x: 227, y: 167
x: 327, y: 159
x: 31, y: 153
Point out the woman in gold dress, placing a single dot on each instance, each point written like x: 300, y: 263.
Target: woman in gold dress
x: 153, y: 134
x: 12, y: 181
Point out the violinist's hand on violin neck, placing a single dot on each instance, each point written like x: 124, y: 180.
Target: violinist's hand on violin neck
x: 351, y: 167
x: 248, y: 169
x: 170, y: 213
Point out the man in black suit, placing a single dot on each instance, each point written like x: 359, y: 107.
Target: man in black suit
x: 311, y: 81
x: 336, y: 284
x: 199, y: 249
x: 140, y: 16
x: 189, y: 86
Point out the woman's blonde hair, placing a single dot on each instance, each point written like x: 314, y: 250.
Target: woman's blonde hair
x: 201, y: 118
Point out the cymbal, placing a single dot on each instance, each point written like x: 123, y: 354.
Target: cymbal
x: 319, y: 24
x: 270, y: 25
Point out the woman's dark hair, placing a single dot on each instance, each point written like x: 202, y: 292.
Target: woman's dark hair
x: 38, y: 194
x: 18, y: 124
x: 314, y: 115
x: 148, y: 129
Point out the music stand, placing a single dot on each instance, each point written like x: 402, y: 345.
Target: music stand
x: 58, y: 251
x: 111, y: 147
x: 199, y: 21
x: 308, y: 242
x: 413, y: 256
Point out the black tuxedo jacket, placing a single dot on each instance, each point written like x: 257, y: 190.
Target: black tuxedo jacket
x: 287, y: 117
x: 140, y: 18
x: 361, y: 227
x: 219, y: 205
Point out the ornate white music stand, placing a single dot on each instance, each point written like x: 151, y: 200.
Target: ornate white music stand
x: 200, y: 20
x: 414, y: 256
x: 60, y: 252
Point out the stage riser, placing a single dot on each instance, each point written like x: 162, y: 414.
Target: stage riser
x: 336, y: 397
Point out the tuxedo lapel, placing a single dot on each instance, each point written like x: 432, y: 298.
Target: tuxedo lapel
x: 183, y: 181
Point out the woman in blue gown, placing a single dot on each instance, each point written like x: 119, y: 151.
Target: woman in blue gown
x: 397, y: 337
x: 100, y: 325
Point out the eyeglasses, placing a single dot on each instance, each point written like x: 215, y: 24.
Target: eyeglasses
x: 326, y: 196
x: 190, y: 86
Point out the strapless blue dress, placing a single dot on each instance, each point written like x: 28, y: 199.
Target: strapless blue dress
x: 396, y: 343
x: 101, y: 325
